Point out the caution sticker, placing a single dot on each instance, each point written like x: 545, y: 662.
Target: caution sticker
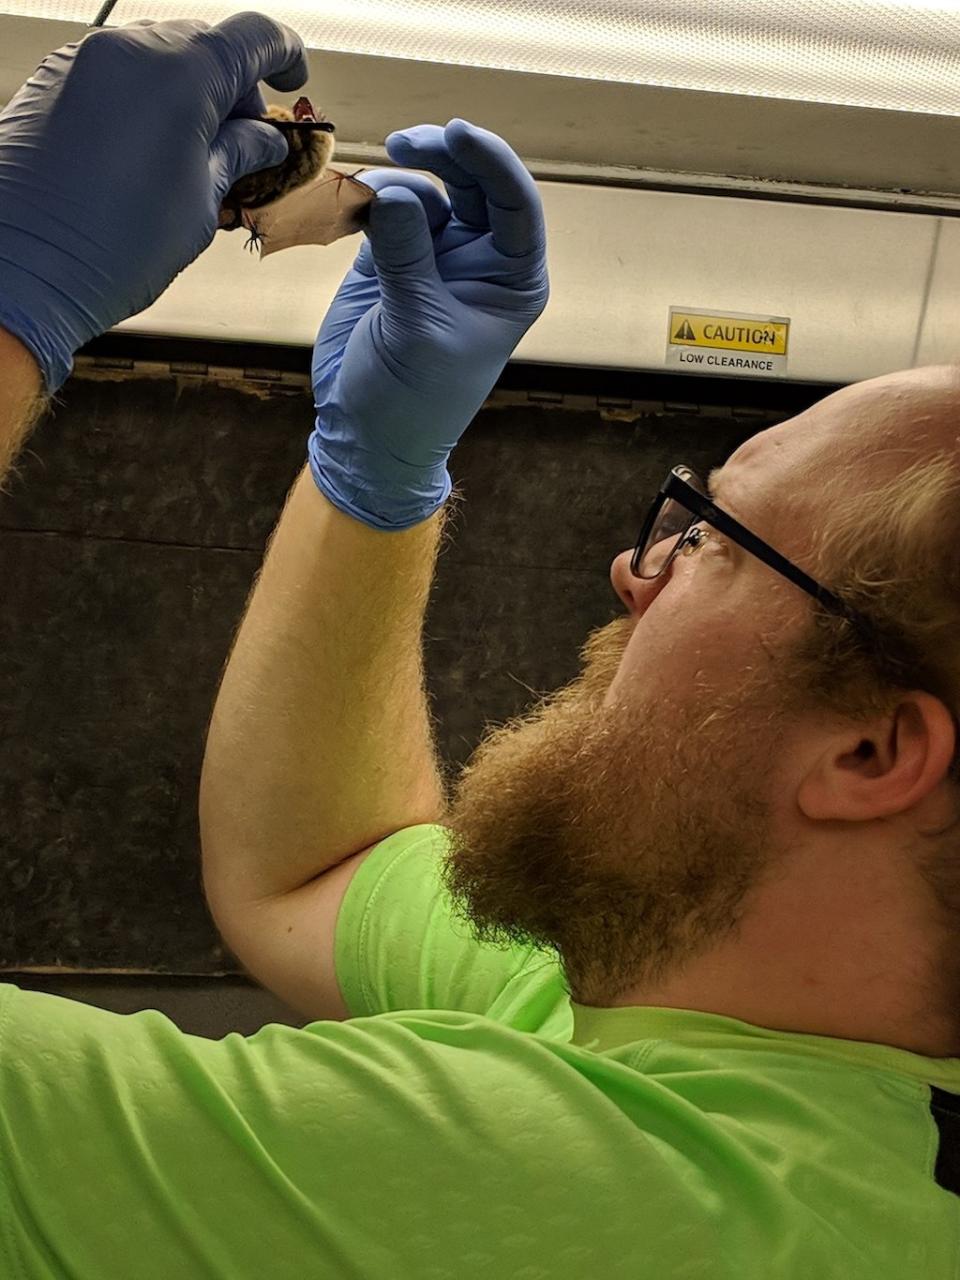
x: 727, y: 342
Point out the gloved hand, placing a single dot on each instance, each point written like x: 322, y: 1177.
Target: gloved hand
x: 425, y: 320
x: 114, y: 158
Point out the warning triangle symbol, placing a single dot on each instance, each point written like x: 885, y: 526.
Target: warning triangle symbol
x: 685, y: 333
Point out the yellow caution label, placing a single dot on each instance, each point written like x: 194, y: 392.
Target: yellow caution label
x: 729, y: 332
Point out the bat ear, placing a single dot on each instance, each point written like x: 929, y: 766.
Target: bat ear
x: 242, y: 147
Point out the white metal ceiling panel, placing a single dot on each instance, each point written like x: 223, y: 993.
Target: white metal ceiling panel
x: 902, y: 55
x: 577, y: 127
x: 851, y: 281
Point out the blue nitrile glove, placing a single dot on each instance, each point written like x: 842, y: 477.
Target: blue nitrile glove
x: 425, y: 321
x: 114, y: 159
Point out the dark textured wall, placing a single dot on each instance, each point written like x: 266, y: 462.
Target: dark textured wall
x: 129, y: 539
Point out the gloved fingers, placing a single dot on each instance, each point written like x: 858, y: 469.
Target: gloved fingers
x: 490, y: 187
x: 398, y: 228
x: 241, y: 147
x: 402, y: 247
x: 423, y: 147
x: 254, y: 47
x: 435, y: 204
x: 514, y: 208
x: 250, y: 107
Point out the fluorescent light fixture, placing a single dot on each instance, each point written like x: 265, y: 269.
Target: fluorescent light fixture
x: 900, y: 55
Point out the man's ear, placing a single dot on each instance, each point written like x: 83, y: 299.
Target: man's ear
x: 881, y: 768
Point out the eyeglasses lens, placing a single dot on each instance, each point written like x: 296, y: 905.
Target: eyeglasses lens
x: 668, y: 530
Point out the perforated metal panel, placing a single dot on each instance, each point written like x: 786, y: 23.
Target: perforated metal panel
x: 869, y: 53
x: 901, y: 55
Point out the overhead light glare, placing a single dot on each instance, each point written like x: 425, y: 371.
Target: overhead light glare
x: 899, y: 55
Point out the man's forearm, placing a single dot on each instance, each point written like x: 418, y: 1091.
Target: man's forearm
x: 320, y: 742
x: 21, y: 398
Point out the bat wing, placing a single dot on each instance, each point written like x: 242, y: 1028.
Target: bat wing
x: 333, y: 205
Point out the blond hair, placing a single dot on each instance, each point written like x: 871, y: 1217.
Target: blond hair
x: 893, y: 553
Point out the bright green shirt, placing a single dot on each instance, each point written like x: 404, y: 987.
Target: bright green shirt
x: 468, y: 1122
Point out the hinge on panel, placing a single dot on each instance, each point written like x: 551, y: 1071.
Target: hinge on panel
x: 622, y: 409
x: 107, y: 366
x: 107, y: 362
x: 610, y: 408
x: 265, y: 381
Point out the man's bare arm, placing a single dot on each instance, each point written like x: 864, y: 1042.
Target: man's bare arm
x: 21, y: 398
x: 320, y: 742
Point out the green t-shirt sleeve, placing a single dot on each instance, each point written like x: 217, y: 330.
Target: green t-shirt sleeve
x: 129, y: 1149
x: 401, y: 945
x: 441, y: 1144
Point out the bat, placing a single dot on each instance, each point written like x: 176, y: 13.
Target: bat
x: 310, y: 150
x: 310, y: 218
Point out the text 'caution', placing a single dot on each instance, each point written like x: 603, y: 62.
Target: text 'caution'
x: 727, y: 342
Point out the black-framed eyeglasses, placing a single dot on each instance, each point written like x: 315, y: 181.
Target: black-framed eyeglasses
x: 671, y: 527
